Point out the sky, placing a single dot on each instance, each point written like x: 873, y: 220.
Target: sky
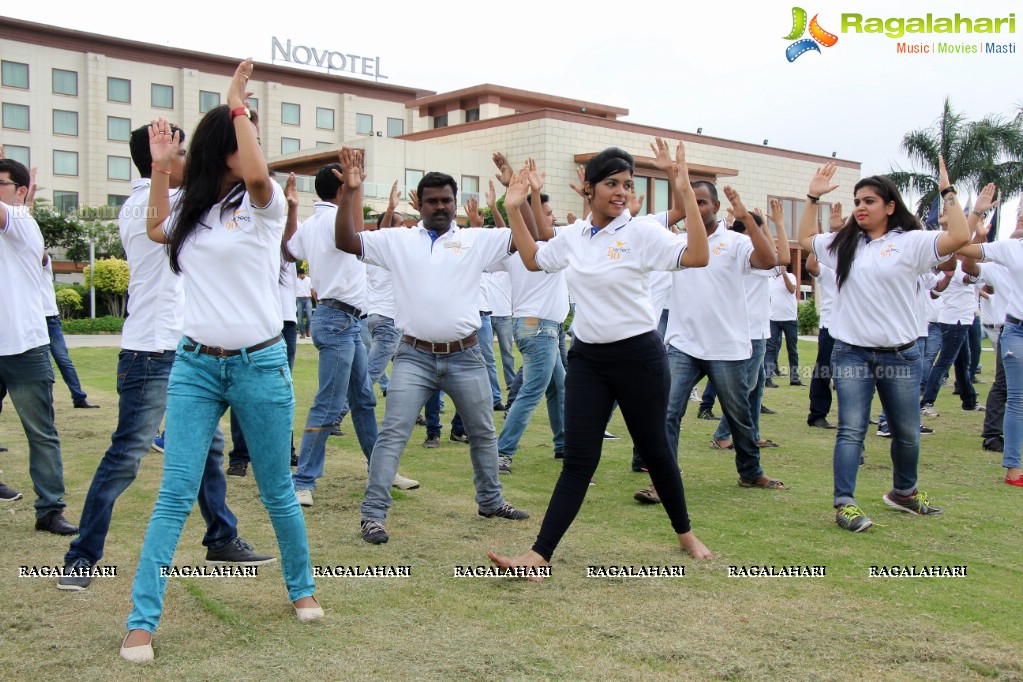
x: 720, y: 66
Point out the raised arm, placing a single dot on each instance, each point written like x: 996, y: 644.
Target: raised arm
x: 985, y: 202
x: 345, y: 237
x: 764, y: 256
x: 495, y: 213
x: 472, y: 212
x: 697, y: 253
x: 291, y: 196
x: 392, y: 204
x: 163, y: 147
x: 820, y: 185
x: 537, y: 179
x: 958, y: 234
x: 255, y: 174
x: 504, y: 177
x: 790, y: 284
x: 664, y: 162
x: 784, y: 256
x: 578, y: 189
x: 524, y: 241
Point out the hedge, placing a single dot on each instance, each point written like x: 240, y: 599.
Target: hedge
x: 101, y: 325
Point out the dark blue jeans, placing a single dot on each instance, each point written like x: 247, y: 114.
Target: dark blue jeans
x: 142, y: 386
x: 820, y: 384
x: 790, y: 328
x: 953, y: 339
x: 58, y: 349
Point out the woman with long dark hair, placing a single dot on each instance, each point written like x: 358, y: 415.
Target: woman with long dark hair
x: 877, y: 257
x: 617, y: 354
x: 224, y: 238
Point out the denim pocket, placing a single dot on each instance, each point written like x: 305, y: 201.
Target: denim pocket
x: 270, y: 359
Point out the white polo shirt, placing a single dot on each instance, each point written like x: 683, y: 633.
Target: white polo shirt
x: 876, y: 307
x: 156, y: 296
x: 286, y: 287
x: 536, y: 294
x: 499, y: 292
x: 1009, y: 254
x: 334, y: 273
x: 708, y: 317
x: 994, y: 306
x: 231, y: 270
x: 608, y: 273
x: 49, y: 293
x: 436, y: 283
x: 959, y: 300
x: 303, y: 285
x: 924, y: 284
x: 23, y: 325
x: 757, y: 284
x: 825, y: 294
x: 379, y: 292
x: 783, y: 302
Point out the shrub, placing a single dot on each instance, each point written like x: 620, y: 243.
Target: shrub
x: 101, y: 325
x: 70, y: 302
x: 808, y: 317
x: 111, y: 281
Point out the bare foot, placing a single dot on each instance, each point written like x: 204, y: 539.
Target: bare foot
x: 693, y: 547
x: 528, y: 560
x: 137, y: 638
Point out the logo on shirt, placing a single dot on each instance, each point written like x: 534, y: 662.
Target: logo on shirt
x: 240, y: 216
x: 888, y: 250
x: 457, y: 247
x: 719, y: 249
x: 615, y: 252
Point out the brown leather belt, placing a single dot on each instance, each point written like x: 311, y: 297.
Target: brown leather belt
x: 442, y: 348
x: 228, y: 352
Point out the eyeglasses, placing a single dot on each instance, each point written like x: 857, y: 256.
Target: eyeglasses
x: 8, y: 182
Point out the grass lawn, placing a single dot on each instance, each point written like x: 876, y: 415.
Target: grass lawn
x: 431, y: 625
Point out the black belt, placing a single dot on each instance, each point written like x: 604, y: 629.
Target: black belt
x: 443, y: 347
x: 342, y: 306
x: 228, y: 352
x: 1013, y: 320
x: 896, y: 349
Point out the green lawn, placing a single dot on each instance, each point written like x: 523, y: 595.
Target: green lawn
x: 706, y: 625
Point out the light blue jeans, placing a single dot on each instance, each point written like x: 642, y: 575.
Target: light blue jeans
x: 385, y: 340
x: 257, y: 386
x: 486, y: 334
x: 415, y: 376
x: 503, y: 330
x: 542, y: 373
x: 756, y: 375
x: 1011, y: 348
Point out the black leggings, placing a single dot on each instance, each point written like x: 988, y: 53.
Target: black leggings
x: 634, y: 372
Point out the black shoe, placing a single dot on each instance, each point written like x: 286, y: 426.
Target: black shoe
x: 3, y: 449
x: 54, y: 522
x: 822, y: 423
x: 373, y: 532
x: 335, y: 431
x: 432, y: 440
x: 994, y: 444
x: 8, y: 494
x: 559, y: 454
x: 459, y: 437
x: 237, y: 469
x: 707, y: 414
x: 294, y: 459
x: 237, y: 552
x: 505, y: 512
x: 796, y: 382
x: 75, y: 577
x: 764, y: 409
x: 85, y: 405
x: 770, y: 383
x: 499, y: 407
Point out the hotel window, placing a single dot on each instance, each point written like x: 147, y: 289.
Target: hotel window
x: 291, y: 114
x: 19, y: 154
x: 118, y: 129
x: 321, y: 143
x: 118, y: 168
x: 641, y: 185
x: 252, y: 103
x: 15, y: 75
x: 208, y: 100
x: 65, y: 202
x: 118, y: 90
x: 440, y: 121
x: 363, y: 124
x: 15, y: 116
x: 324, y: 118
x: 116, y: 200
x: 472, y: 115
x: 65, y: 122
x: 65, y: 163
x: 290, y: 144
x: 163, y: 96
x: 470, y: 185
x: 395, y: 127
x: 412, y: 178
x: 661, y: 196
x: 65, y: 82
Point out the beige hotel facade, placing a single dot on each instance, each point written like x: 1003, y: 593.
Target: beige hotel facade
x: 70, y: 99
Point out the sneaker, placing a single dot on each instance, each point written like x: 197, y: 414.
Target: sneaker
x: 505, y: 512
x: 237, y: 470
x: 975, y: 408
x: 850, y: 517
x: 764, y: 409
x: 770, y: 383
x: 158, y: 442
x: 8, y: 494
x: 402, y: 483
x: 925, y: 430
x: 499, y: 406
x: 237, y: 552
x: 694, y: 396
x: 503, y: 465
x: 432, y: 441
x: 994, y: 444
x: 373, y: 532
x: 610, y: 436
x: 707, y: 414
x: 294, y: 460
x: 459, y: 437
x: 882, y: 430
x: 3, y: 449
x: 928, y: 410
x: 914, y: 504
x: 305, y: 497
x: 76, y: 577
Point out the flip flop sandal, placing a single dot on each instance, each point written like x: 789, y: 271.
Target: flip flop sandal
x: 714, y: 444
x: 647, y: 496
x: 768, y: 444
x: 763, y: 482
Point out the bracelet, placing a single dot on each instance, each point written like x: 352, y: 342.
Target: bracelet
x: 160, y: 170
x: 947, y: 190
x: 979, y: 214
x: 813, y: 200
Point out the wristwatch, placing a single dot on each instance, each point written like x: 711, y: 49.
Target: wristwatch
x: 241, y: 111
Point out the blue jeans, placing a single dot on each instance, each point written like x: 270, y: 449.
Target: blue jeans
x: 1011, y: 348
x: 342, y: 372
x: 142, y: 390
x: 790, y: 328
x: 755, y: 376
x: 28, y: 377
x: 258, y: 386
x: 921, y: 346
x: 303, y: 314
x: 486, y: 335
x: 385, y: 341
x: 541, y: 373
x: 896, y: 376
x: 729, y: 377
x: 58, y: 349
x: 820, y: 383
x: 415, y: 376
x: 953, y: 339
x: 502, y: 325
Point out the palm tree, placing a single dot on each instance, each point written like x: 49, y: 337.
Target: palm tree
x: 976, y: 152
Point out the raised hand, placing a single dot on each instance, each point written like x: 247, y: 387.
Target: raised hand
x: 237, y: 91
x: 634, y: 203
x: 163, y: 144
x: 518, y: 189
x: 737, y: 206
x: 536, y: 179
x: 291, y: 191
x: 571, y: 218
x: 986, y: 199
x: 352, y: 175
x: 504, y: 168
x: 836, y: 220
x: 777, y: 211
x: 943, y: 181
x: 2, y: 155
x: 490, y: 196
x: 394, y: 197
x: 821, y: 182
x: 472, y: 211
x: 683, y: 169
x: 730, y: 215
x: 662, y: 155
x: 413, y: 200
x: 578, y: 189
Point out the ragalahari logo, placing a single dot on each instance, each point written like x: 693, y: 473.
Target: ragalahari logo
x: 818, y: 35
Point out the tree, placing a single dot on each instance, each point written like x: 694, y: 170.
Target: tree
x: 60, y: 230
x: 70, y: 302
x: 107, y: 242
x: 976, y: 153
x: 112, y: 282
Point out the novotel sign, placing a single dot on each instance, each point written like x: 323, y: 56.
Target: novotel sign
x: 331, y: 60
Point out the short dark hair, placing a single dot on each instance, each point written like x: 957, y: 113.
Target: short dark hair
x: 380, y: 218
x: 710, y: 188
x: 299, y: 270
x: 16, y: 170
x: 544, y: 198
x: 138, y: 145
x: 739, y: 226
x: 434, y: 179
x: 327, y: 183
x: 608, y: 162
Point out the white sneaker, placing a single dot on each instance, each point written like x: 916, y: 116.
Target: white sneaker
x: 929, y: 411
x: 402, y: 483
x: 694, y: 397
x: 305, y: 497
